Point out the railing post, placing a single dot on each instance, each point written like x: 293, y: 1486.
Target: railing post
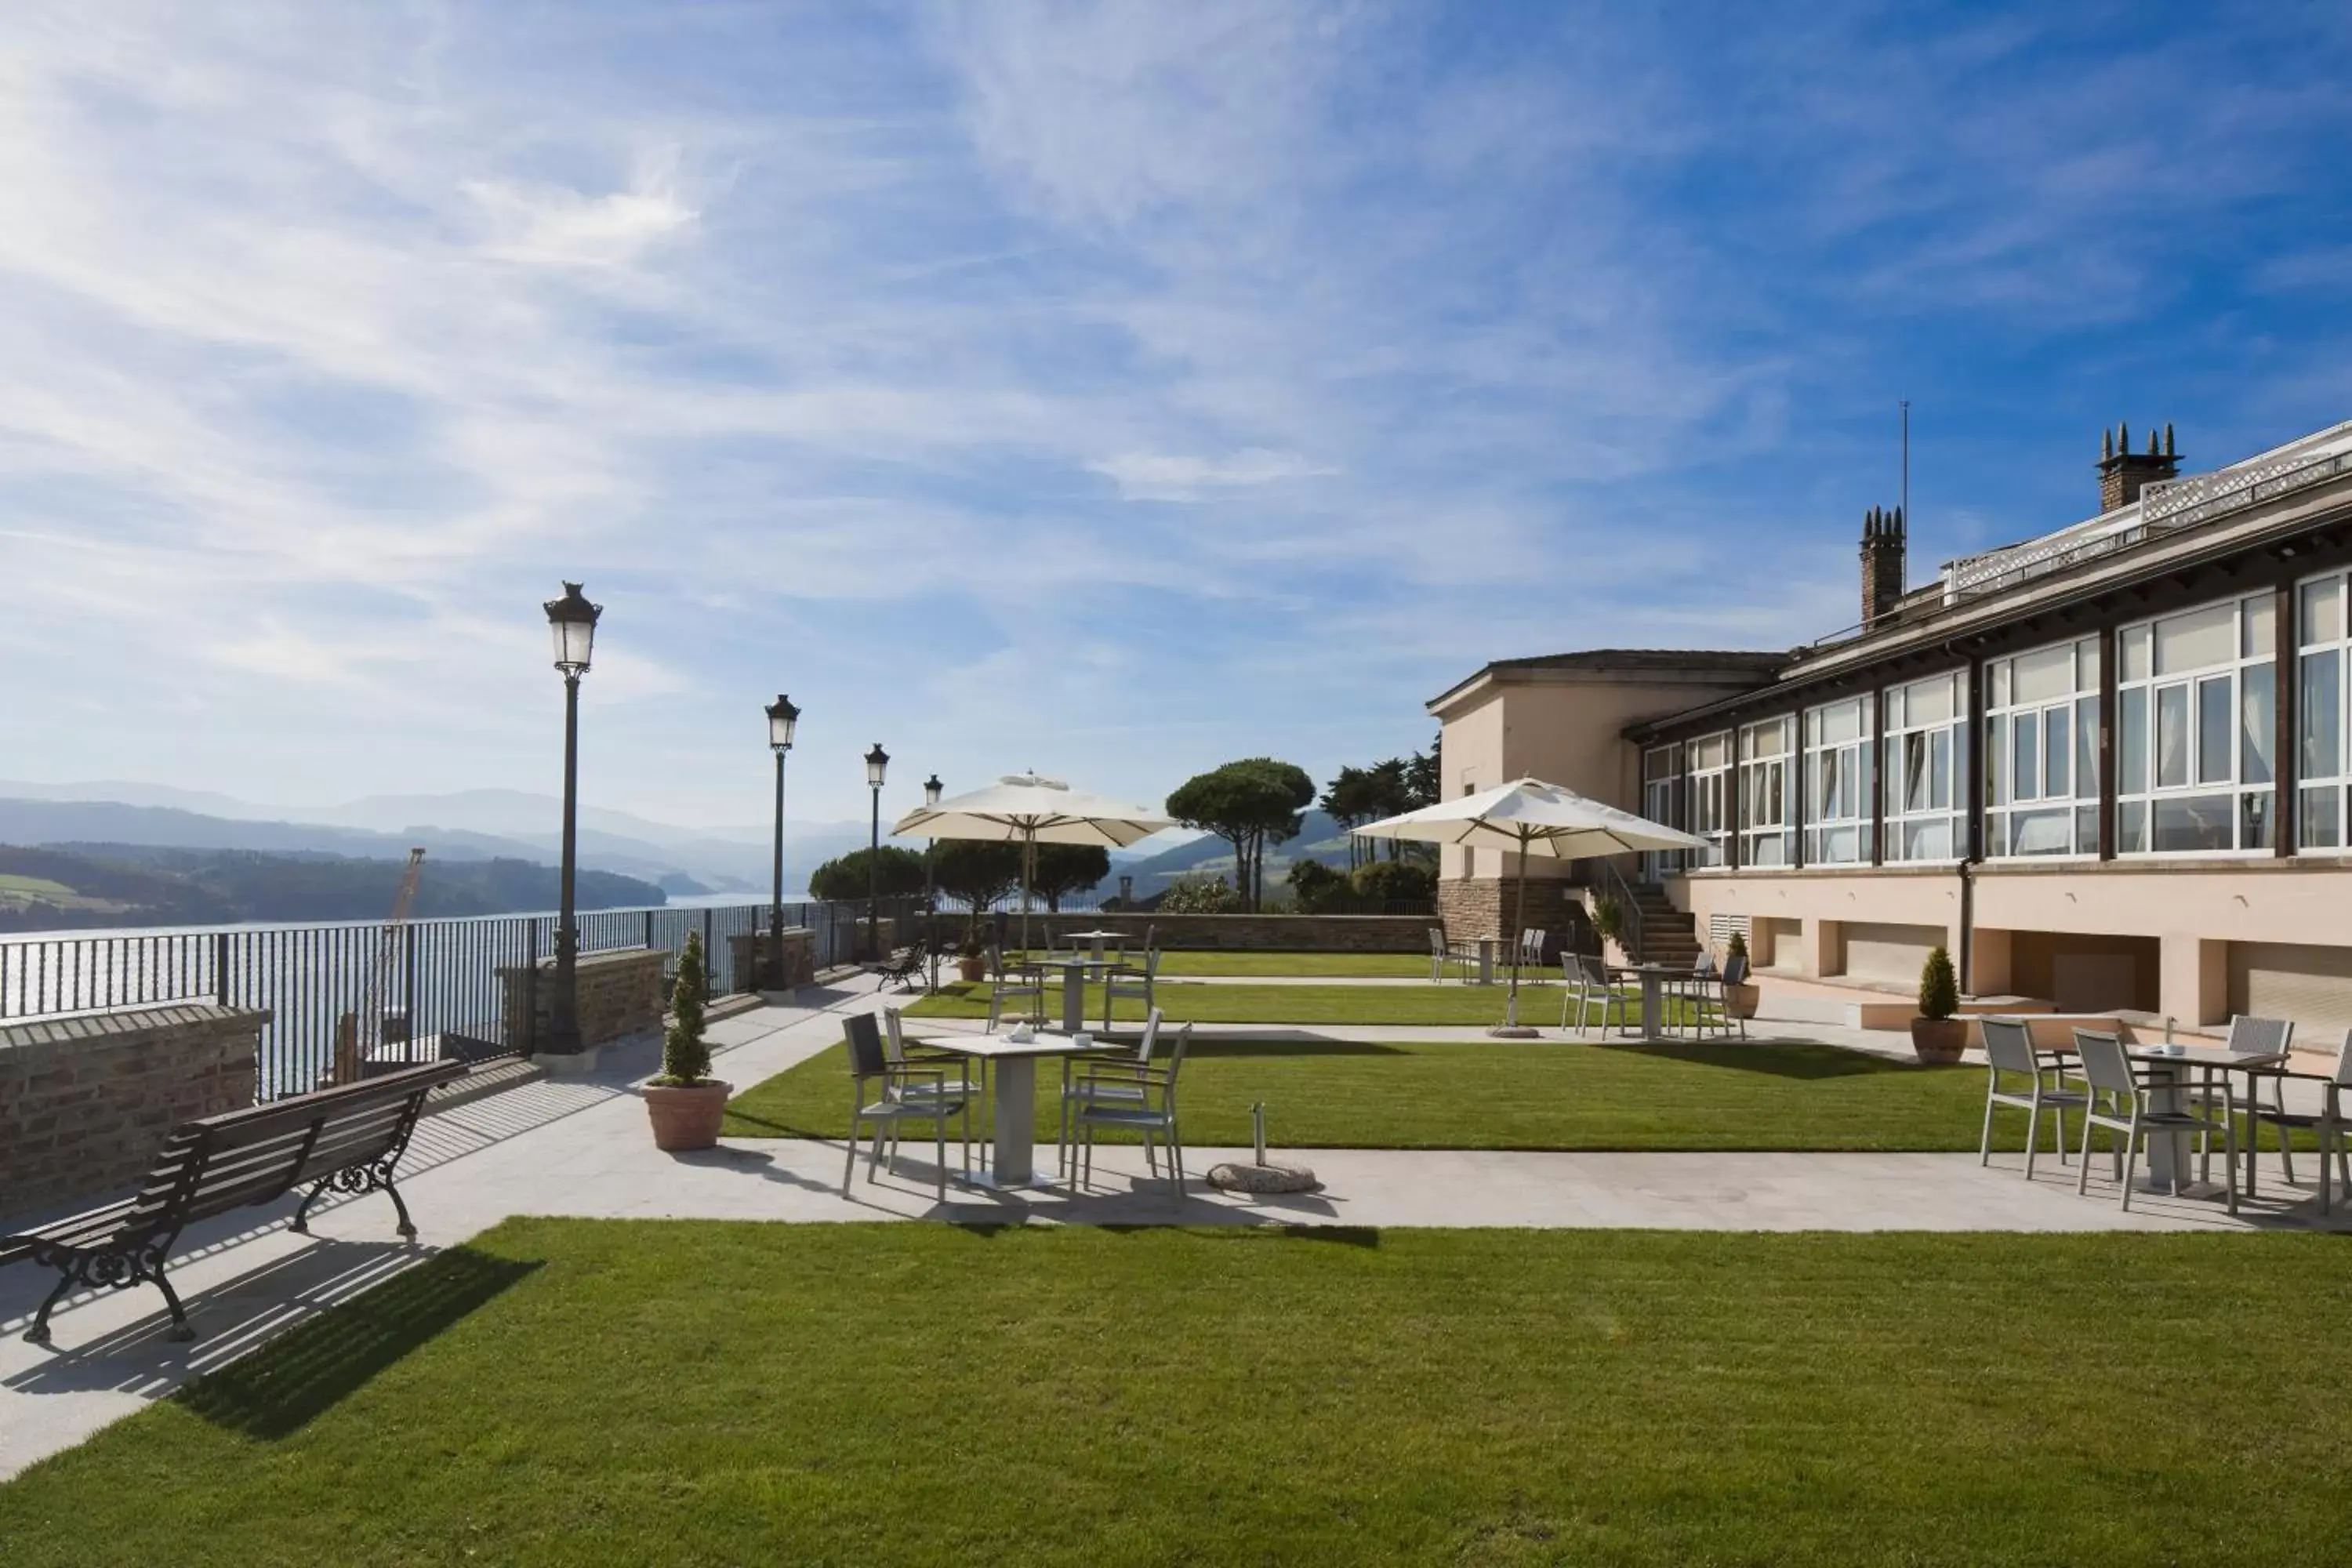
x: 220, y: 968
x: 649, y: 927
x: 408, y: 986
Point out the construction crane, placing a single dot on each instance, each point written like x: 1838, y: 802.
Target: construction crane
x: 359, y: 1037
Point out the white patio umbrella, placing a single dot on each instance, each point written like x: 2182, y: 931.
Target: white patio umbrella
x: 1531, y: 817
x: 1028, y: 810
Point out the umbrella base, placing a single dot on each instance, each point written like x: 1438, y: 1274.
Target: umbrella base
x: 1516, y: 1032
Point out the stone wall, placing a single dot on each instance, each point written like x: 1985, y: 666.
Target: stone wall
x: 1240, y: 933
x: 85, y: 1102
x: 1484, y: 907
x: 619, y: 994
x: 754, y: 957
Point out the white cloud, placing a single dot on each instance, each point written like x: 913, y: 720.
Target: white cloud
x: 1149, y: 476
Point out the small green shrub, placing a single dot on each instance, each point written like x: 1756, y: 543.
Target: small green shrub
x: 1398, y: 881
x: 1738, y: 946
x: 686, y: 1055
x: 1939, y: 988
x: 1608, y: 919
x: 1193, y: 896
x: 1315, y: 886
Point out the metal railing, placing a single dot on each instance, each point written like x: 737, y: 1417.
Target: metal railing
x: 1613, y: 885
x: 444, y: 995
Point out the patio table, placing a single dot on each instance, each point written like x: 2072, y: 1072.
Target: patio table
x: 1075, y: 971
x: 1095, y: 938
x: 1653, y: 977
x: 1013, y: 1096
x: 2168, y: 1153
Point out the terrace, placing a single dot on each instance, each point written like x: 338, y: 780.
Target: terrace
x: 595, y: 1347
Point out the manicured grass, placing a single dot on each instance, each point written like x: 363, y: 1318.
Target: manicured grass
x: 573, y: 1391
x: 1350, y: 965
x: 1182, y: 1003
x: 1501, y: 1094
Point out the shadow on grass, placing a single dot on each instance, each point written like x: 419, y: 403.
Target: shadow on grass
x: 277, y: 1390
x: 1345, y: 1234
x: 1294, y: 1045
x: 1798, y: 1059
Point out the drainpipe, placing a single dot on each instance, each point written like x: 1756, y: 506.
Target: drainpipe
x: 1972, y: 850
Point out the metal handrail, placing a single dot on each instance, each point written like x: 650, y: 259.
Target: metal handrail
x: 1628, y: 905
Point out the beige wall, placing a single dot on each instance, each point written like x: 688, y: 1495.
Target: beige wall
x: 2202, y: 939
x: 1561, y: 726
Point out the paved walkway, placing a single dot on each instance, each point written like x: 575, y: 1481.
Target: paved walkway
x: 580, y: 1147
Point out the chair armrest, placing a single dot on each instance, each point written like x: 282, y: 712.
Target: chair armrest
x: 900, y: 1075
x: 2325, y: 1078
x: 1130, y: 1072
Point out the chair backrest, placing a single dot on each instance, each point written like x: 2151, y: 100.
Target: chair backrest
x: 1735, y: 970
x: 2105, y: 1065
x: 1704, y: 963
x: 1436, y: 942
x: 894, y: 1037
x: 867, y: 1056
x: 2263, y: 1036
x: 1151, y: 964
x: 1176, y: 1059
x: 2009, y: 1046
x: 1577, y: 969
x: 1150, y: 1040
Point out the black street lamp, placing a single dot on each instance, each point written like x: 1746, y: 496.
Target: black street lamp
x: 573, y: 619
x: 932, y: 789
x: 877, y: 762
x: 782, y: 717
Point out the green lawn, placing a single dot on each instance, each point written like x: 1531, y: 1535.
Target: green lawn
x: 1501, y: 1094
x: 1337, y: 965
x: 1183, y: 1004
x: 576, y: 1392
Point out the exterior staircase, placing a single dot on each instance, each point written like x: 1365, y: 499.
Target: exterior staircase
x: 1668, y: 935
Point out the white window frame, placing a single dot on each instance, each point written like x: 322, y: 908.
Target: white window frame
x: 1765, y: 779
x: 2012, y: 800
x: 2136, y: 809
x: 1902, y: 725
x: 1661, y: 768
x: 1709, y: 802
x: 2309, y: 650
x: 1839, y: 837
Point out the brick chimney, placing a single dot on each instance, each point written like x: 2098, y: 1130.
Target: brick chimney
x: 2124, y: 473
x: 1883, y: 573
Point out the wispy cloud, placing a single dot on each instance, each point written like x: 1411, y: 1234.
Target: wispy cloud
x: 1204, y: 379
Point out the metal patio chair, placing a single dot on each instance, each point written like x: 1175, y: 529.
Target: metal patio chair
x: 1154, y: 1116
x: 2009, y: 1053
x: 2327, y: 1123
x: 1023, y: 983
x: 1133, y: 981
x: 1703, y: 993
x: 2123, y: 1101
x: 1443, y: 953
x: 1105, y: 1089
x: 1586, y: 986
x: 908, y: 1094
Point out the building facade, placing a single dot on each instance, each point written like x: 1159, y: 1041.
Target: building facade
x: 2107, y: 767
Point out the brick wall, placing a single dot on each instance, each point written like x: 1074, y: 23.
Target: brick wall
x: 754, y: 956
x: 618, y: 994
x: 85, y: 1102
x: 1241, y: 933
x: 1475, y: 908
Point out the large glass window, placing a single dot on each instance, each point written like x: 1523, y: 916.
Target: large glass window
x: 2196, y: 727
x: 1710, y: 796
x: 2041, y: 752
x: 1837, y: 782
x: 1764, y: 832
x: 2324, y: 650
x: 1927, y: 735
x: 1661, y: 768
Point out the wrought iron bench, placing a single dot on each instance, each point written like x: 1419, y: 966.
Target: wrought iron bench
x: 346, y: 1139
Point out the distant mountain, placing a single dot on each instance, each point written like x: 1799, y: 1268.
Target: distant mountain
x: 80, y: 886
x: 1320, y: 839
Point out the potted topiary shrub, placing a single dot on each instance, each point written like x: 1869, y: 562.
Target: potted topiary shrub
x: 1607, y: 920
x: 1740, y: 996
x: 1938, y: 1035
x: 684, y: 1104
x: 972, y: 963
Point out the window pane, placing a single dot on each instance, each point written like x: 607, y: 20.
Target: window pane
x: 2000, y: 673
x: 2323, y: 612
x: 2258, y: 722
x: 2196, y: 641
x: 1996, y: 756
x: 1929, y: 701
x: 2320, y: 714
x: 2213, y: 737
x: 2255, y: 820
x: 2043, y: 676
x: 2042, y: 832
x: 2086, y: 830
x: 2172, y: 735
x: 1928, y: 840
x: 2134, y: 651
x: 2131, y: 827
x: 1940, y: 770
x: 2057, y: 752
x: 2086, y: 748
x: 1997, y: 834
x: 2086, y: 665
x: 2131, y: 741
x: 2259, y: 637
x: 2188, y: 823
x: 2322, y: 817
x: 2025, y: 745
x: 1712, y: 752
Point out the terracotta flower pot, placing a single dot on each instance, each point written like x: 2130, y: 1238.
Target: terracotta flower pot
x: 1940, y: 1040
x: 1740, y: 1000
x: 687, y: 1116
x: 972, y: 969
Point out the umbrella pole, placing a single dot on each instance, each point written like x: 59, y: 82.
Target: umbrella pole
x: 1512, y: 1028
x: 1028, y: 875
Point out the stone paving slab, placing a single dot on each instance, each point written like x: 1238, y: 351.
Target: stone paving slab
x: 581, y: 1147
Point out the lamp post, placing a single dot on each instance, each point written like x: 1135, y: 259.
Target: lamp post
x: 573, y: 620
x: 782, y: 717
x: 932, y: 789
x: 877, y: 762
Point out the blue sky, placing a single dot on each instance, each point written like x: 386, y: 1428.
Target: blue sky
x: 1108, y: 389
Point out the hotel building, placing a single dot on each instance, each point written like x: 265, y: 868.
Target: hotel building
x: 2107, y: 767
